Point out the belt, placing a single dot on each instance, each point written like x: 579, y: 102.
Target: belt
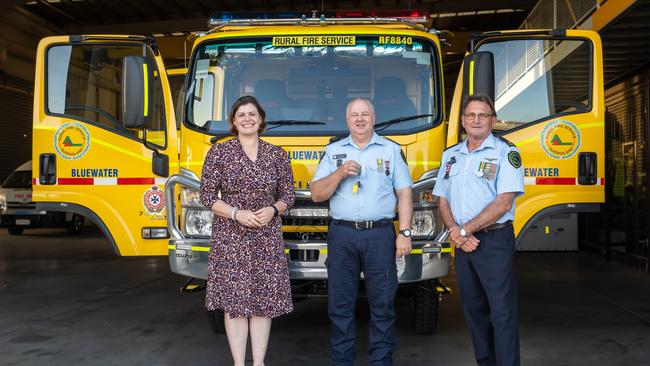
x: 495, y: 227
x: 362, y: 225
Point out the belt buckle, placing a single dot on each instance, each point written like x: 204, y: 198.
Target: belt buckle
x: 361, y: 225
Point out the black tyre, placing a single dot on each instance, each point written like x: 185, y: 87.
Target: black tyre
x: 425, y: 303
x: 14, y: 230
x: 76, y: 224
x: 216, y: 321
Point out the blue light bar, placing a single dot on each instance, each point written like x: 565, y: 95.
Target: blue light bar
x: 226, y: 16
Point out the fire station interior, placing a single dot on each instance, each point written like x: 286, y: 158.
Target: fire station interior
x: 67, y: 299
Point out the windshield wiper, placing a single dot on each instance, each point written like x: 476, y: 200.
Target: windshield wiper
x: 274, y: 124
x: 382, y: 125
x: 291, y: 122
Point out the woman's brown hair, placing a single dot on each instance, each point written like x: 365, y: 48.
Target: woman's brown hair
x: 246, y: 99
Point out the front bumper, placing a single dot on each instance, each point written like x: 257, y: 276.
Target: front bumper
x: 428, y: 260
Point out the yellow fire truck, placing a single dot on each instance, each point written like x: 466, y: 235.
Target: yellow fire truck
x: 108, y: 145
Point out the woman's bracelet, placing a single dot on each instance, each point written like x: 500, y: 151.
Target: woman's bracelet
x: 233, y: 213
x: 276, y: 211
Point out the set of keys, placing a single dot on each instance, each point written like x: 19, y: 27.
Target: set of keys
x: 382, y: 165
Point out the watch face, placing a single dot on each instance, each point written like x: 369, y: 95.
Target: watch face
x: 406, y: 232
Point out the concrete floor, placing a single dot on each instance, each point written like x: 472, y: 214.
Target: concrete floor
x: 67, y: 300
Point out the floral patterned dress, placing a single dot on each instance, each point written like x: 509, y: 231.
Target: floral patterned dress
x: 248, y: 273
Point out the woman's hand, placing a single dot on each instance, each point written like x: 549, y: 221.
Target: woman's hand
x: 264, y: 215
x: 248, y: 218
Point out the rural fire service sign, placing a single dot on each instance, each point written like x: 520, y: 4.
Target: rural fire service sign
x: 560, y: 139
x: 71, y: 140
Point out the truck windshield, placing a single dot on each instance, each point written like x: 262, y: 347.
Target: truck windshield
x: 310, y: 85
x: 18, y: 179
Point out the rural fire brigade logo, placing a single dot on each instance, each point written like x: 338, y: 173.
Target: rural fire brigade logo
x: 71, y: 140
x: 560, y: 139
x: 154, y: 200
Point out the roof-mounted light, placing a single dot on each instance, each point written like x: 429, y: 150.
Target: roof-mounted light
x: 224, y: 17
x: 413, y: 16
x: 418, y: 19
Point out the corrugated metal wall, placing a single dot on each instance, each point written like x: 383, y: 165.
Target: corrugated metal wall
x: 15, y: 123
x: 628, y: 154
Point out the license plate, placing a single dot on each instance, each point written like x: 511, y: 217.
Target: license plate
x: 22, y: 222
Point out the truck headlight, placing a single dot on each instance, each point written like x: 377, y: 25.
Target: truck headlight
x: 424, y: 223
x: 426, y: 219
x: 196, y: 219
x: 3, y: 206
x: 198, y: 222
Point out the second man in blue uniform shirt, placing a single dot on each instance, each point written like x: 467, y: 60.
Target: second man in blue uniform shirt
x: 478, y: 182
x: 364, y: 176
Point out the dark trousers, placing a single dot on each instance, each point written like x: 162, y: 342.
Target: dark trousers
x: 350, y: 252
x: 488, y: 290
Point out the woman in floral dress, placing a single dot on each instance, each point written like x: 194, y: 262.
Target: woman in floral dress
x: 248, y: 274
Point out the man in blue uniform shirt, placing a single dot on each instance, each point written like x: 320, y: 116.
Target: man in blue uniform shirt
x: 477, y: 184
x: 364, y: 176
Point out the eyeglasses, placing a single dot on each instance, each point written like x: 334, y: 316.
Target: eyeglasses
x: 481, y: 116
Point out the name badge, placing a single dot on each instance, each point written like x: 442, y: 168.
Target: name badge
x: 339, y: 159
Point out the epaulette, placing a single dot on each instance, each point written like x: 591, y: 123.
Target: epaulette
x: 390, y: 140
x: 401, y: 152
x: 454, y: 145
x: 507, y: 141
x: 334, y: 139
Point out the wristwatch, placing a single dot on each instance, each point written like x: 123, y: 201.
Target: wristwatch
x: 463, y: 232
x: 406, y: 232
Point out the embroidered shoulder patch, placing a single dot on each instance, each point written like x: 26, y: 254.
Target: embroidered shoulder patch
x: 514, y: 159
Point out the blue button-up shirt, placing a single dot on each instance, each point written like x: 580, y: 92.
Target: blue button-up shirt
x: 471, y: 181
x: 383, y: 171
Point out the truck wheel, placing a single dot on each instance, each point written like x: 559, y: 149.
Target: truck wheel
x: 425, y: 305
x: 76, y: 224
x: 13, y: 230
x: 216, y: 321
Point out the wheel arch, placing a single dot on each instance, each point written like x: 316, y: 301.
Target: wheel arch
x: 83, y: 211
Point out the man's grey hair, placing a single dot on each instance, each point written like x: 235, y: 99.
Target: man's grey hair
x: 477, y: 98
x: 368, y: 102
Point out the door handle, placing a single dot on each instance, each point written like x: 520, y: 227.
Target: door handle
x: 47, y: 169
x: 587, y: 168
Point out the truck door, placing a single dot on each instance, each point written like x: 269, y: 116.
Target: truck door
x: 85, y: 159
x: 548, y: 93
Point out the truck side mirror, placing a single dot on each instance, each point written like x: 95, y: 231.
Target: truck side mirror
x: 478, y: 74
x: 137, y: 92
